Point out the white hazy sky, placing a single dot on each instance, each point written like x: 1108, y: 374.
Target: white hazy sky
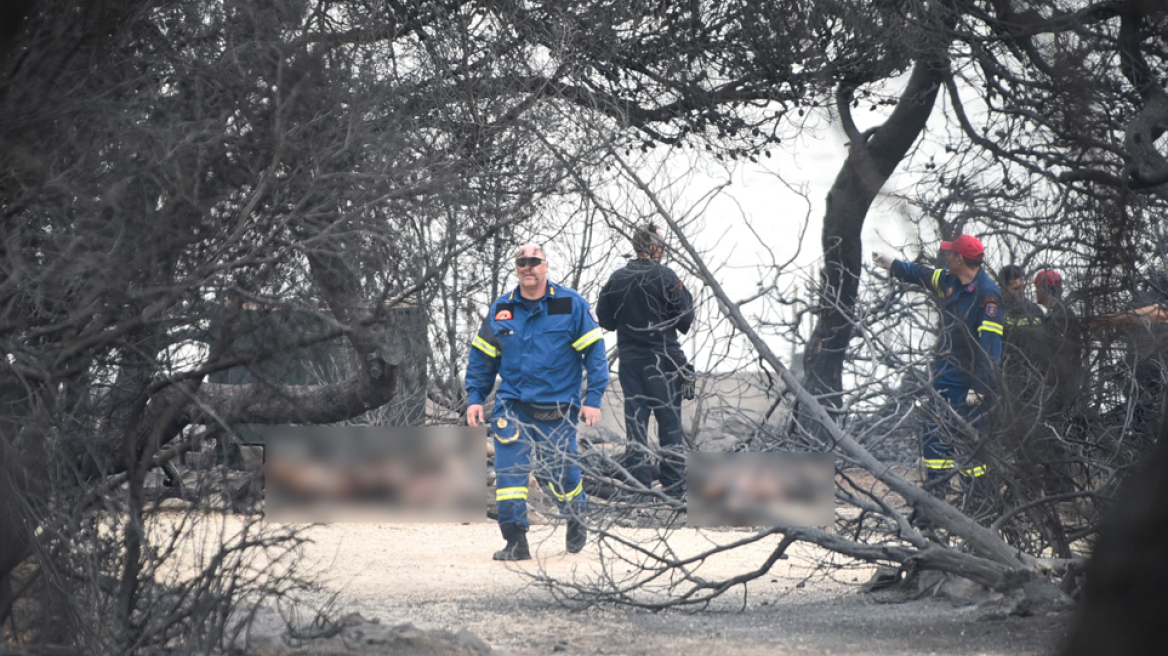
x: 767, y: 205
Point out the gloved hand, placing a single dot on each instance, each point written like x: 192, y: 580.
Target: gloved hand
x: 689, y: 382
x: 974, y: 398
x: 881, y: 260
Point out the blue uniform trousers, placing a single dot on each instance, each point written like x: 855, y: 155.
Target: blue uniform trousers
x: 940, y: 456
x: 524, y: 446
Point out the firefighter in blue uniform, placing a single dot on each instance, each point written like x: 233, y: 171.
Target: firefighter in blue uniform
x: 968, y: 350
x: 537, y: 338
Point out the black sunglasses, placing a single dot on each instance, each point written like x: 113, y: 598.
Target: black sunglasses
x: 521, y: 262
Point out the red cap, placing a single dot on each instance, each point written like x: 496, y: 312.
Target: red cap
x: 1048, y: 278
x: 965, y: 246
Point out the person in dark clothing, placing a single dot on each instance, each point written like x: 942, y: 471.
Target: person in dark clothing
x: 647, y: 304
x: 1021, y: 335
x: 1020, y: 311
x: 1062, y: 343
x: 1058, y: 357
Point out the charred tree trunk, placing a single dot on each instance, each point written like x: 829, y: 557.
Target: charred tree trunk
x: 872, y: 157
x: 1126, y: 594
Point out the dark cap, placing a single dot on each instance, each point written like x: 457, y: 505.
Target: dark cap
x: 965, y: 246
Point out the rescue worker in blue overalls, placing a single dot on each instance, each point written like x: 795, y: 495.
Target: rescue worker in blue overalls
x: 968, y: 349
x: 537, y: 338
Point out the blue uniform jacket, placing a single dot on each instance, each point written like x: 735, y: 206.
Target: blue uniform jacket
x: 966, y: 310
x: 538, y: 354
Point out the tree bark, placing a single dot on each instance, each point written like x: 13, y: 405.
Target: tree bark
x: 872, y: 157
x: 1126, y: 594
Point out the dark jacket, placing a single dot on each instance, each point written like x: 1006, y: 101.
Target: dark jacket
x: 1023, y: 334
x: 1061, y: 353
x: 646, y: 304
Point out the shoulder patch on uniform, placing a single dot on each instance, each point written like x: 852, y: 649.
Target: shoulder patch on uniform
x: 990, y: 299
x: 559, y: 306
x: 680, y: 285
x: 595, y: 318
x: 991, y: 310
x: 504, y: 312
x: 949, y: 292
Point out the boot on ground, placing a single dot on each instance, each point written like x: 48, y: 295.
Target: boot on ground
x: 516, y: 548
x: 577, y: 535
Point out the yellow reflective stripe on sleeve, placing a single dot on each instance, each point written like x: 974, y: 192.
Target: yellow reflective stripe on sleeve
x: 482, y: 345
x: 588, y: 339
x: 510, y: 493
x: 937, y: 282
x: 991, y: 327
x: 564, y: 498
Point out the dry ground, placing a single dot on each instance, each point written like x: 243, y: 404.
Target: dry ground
x: 441, y: 576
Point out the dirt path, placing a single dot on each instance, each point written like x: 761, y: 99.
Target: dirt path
x: 441, y: 576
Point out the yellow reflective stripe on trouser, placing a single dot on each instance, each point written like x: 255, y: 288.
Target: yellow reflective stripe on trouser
x: 937, y: 282
x: 482, y: 345
x: 569, y: 496
x: 941, y: 463
x: 588, y: 339
x: 510, y: 493
x: 974, y: 472
x: 991, y: 327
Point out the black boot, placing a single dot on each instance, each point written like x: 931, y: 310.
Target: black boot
x: 516, y: 548
x: 577, y: 535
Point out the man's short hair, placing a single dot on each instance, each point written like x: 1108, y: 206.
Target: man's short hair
x: 1010, y: 273
x: 646, y: 237
x: 540, y: 247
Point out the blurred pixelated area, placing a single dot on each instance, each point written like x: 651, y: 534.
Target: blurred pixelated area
x: 760, y: 489
x: 374, y: 474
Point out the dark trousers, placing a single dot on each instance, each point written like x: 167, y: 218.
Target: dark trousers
x: 652, y: 385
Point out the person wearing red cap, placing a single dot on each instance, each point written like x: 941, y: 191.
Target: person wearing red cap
x: 1058, y: 356
x: 1061, y: 324
x: 968, y: 350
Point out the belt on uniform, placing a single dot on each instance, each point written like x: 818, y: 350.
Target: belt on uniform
x: 546, y: 411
